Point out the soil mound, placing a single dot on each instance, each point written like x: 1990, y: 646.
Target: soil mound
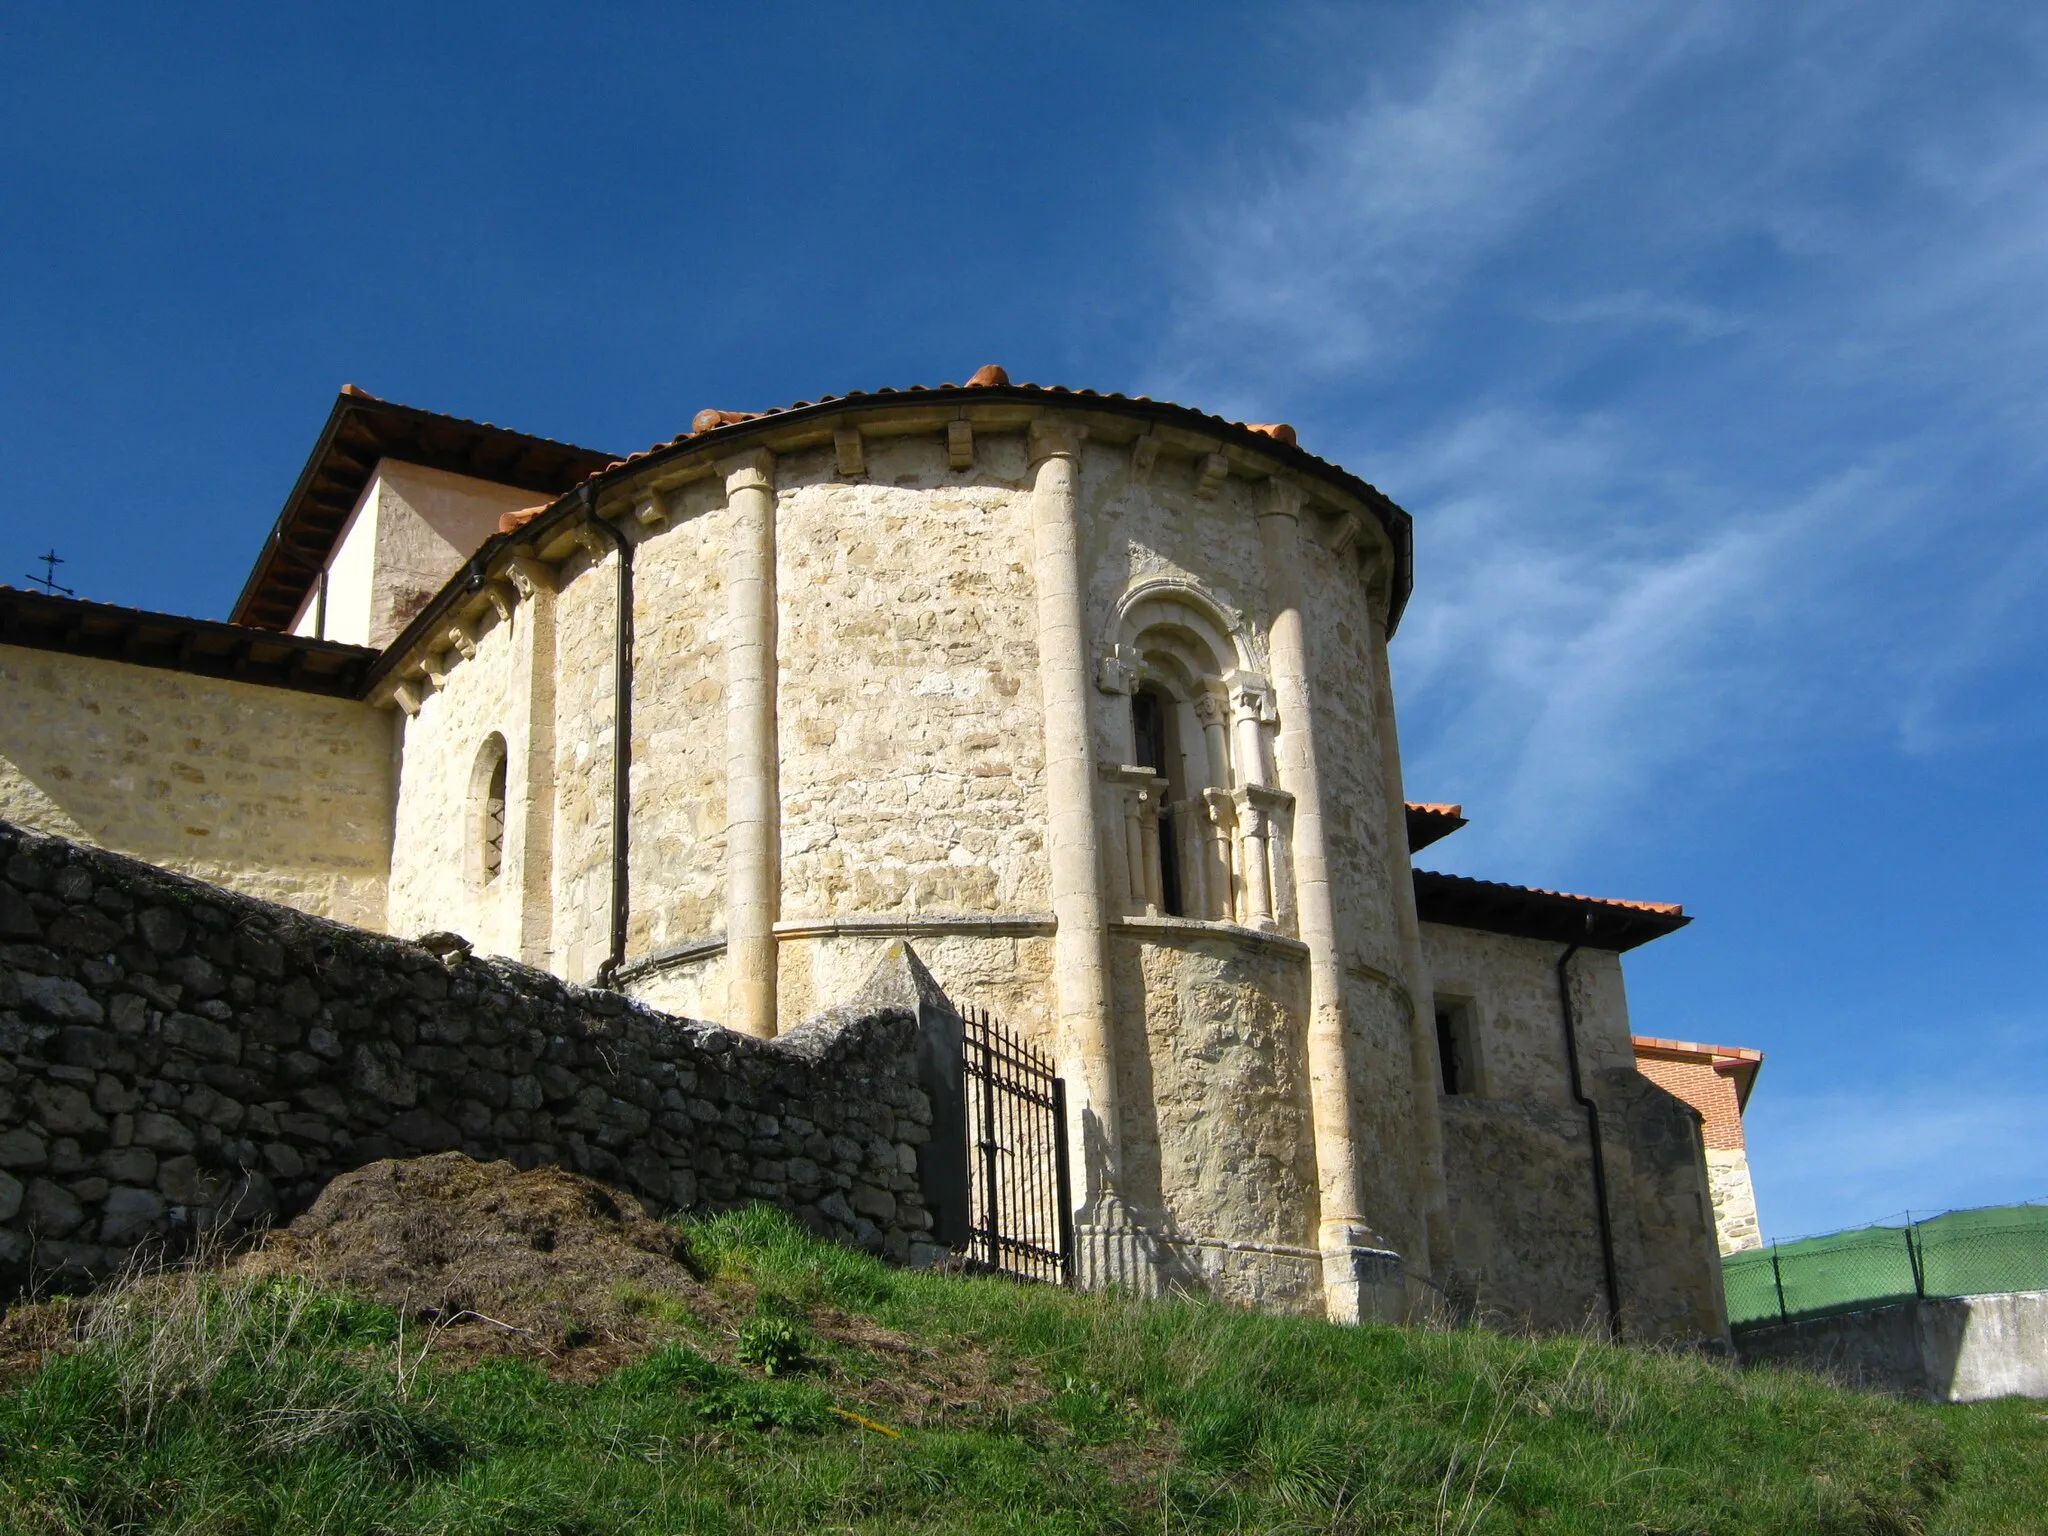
x: 547, y: 1254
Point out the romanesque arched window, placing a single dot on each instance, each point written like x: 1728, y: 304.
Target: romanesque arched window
x: 487, y: 809
x: 1202, y: 830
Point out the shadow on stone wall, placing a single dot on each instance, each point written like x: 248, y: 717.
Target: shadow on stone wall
x: 178, y: 1059
x: 1527, y: 1249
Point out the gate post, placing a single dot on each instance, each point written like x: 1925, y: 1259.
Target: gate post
x: 901, y: 981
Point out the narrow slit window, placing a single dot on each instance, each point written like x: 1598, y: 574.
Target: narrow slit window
x: 1454, y: 1047
x: 491, y: 813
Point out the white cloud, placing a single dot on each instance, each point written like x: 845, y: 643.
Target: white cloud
x: 1822, y: 289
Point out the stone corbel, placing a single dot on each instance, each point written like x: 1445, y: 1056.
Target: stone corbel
x: 435, y: 664
x: 463, y: 641
x: 1213, y: 470
x: 852, y: 453
x: 960, y: 444
x: 530, y: 575
x: 1117, y: 670
x: 651, y: 508
x: 1144, y: 454
x: 406, y: 695
x: 1345, y: 535
x: 591, y: 542
x: 501, y: 598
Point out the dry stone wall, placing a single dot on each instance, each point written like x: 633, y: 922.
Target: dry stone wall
x: 175, y: 1058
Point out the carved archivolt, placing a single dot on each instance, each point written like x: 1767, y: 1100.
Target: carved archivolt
x: 1202, y: 828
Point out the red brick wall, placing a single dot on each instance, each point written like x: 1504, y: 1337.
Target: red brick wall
x: 1712, y: 1094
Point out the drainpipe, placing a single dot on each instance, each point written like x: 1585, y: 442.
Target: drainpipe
x: 622, y: 735
x: 1608, y: 1270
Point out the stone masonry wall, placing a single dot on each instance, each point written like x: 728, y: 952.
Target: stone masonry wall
x: 176, y: 1058
x: 280, y: 794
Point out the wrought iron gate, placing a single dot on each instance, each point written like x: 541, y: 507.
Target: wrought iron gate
x: 1020, y: 1219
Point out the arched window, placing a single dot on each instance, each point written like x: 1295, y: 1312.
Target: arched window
x: 1204, y: 834
x: 488, y: 817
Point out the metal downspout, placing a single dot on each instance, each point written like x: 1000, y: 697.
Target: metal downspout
x: 622, y: 738
x: 1609, y: 1273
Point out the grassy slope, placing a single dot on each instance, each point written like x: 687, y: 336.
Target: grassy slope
x: 269, y: 1406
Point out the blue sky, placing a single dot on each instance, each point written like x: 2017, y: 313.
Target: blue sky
x: 1707, y: 342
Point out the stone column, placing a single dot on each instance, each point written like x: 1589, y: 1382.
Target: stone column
x: 753, y: 800
x: 1361, y: 1278
x: 535, y: 583
x: 1416, y: 980
x: 1080, y: 936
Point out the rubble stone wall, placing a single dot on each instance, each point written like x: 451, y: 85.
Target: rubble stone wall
x: 176, y: 1058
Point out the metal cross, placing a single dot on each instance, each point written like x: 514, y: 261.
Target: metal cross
x: 48, y: 580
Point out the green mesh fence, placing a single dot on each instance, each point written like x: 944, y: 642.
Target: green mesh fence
x: 1959, y: 1253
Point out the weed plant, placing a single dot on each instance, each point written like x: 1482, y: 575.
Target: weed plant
x: 191, y: 1402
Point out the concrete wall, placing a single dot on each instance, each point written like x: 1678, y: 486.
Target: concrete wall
x: 1962, y: 1349
x: 276, y: 793
x: 412, y: 528
x: 175, y: 1057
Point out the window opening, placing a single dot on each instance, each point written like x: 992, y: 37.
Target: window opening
x: 1152, y: 728
x: 494, y: 821
x: 1454, y: 1047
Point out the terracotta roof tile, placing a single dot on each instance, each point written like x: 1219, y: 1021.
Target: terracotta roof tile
x: 1530, y: 912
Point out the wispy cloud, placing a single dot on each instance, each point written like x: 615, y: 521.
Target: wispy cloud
x: 1705, y: 343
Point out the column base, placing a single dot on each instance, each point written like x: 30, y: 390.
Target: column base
x: 1364, y: 1285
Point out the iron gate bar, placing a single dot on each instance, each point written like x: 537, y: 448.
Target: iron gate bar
x: 1020, y: 1222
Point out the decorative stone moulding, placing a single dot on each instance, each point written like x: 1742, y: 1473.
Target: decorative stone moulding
x: 1052, y: 428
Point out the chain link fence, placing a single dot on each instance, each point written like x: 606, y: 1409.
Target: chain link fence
x: 1959, y: 1253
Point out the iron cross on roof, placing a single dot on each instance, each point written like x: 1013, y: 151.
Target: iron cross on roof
x: 48, y: 580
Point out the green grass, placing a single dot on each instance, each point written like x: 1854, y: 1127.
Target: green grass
x: 216, y: 1405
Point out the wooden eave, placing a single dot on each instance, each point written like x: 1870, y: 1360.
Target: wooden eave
x: 75, y: 627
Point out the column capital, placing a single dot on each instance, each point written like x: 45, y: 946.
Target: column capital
x: 1283, y: 498
x: 1251, y: 698
x: 752, y: 470
x: 1053, y: 438
x: 1116, y: 670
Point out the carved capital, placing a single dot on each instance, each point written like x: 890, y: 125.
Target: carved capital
x: 1053, y: 438
x: 1283, y: 498
x: 753, y: 470
x: 1117, y: 671
x: 1251, y: 698
x: 1207, y: 710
